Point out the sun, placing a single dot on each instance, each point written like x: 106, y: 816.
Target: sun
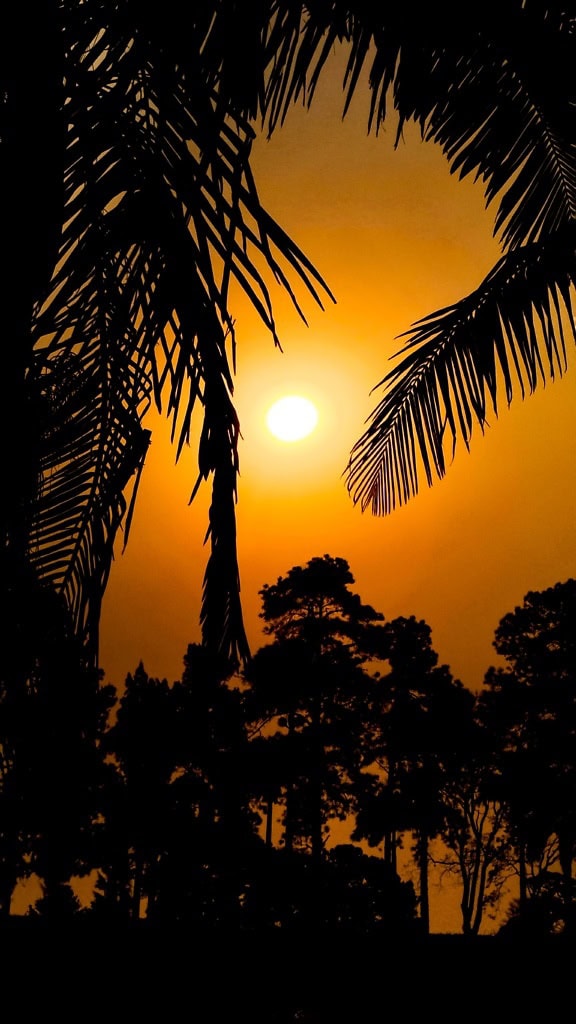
x: 292, y: 418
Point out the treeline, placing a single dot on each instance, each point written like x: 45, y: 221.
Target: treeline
x: 212, y: 801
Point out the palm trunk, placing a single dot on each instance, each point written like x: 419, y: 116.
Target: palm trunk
x: 31, y: 166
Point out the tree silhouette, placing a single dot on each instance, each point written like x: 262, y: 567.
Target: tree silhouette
x: 214, y: 845
x: 306, y: 704
x: 312, y: 681
x: 474, y: 832
x: 181, y: 835
x: 417, y: 723
x: 138, y: 821
x: 529, y: 708
x: 54, y: 778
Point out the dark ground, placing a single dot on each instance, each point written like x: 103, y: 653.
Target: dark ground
x: 142, y: 973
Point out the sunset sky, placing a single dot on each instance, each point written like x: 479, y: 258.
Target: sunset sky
x: 396, y: 237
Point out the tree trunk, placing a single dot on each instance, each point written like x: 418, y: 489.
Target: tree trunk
x: 422, y: 857
x: 316, y: 779
x: 565, y: 854
x: 7, y: 886
x: 390, y: 850
x: 523, y: 881
x: 136, y: 895
x: 269, y: 820
x: 289, y: 819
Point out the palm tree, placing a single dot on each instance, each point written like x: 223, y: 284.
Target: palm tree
x: 128, y: 156
x: 125, y: 139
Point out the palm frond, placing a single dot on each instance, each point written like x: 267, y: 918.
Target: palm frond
x: 91, y: 447
x: 495, y: 89
x: 503, y: 338
x: 507, y: 118
x: 496, y: 92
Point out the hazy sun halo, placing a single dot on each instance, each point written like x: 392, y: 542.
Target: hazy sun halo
x: 292, y: 418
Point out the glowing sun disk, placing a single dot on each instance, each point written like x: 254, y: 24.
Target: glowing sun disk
x: 292, y: 418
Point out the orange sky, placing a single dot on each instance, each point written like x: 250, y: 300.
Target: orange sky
x: 396, y: 237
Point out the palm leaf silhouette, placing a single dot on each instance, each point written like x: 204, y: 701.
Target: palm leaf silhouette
x: 506, y: 336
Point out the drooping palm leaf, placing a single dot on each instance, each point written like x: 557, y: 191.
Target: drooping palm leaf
x: 500, y: 340
x: 493, y: 87
x: 500, y: 102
